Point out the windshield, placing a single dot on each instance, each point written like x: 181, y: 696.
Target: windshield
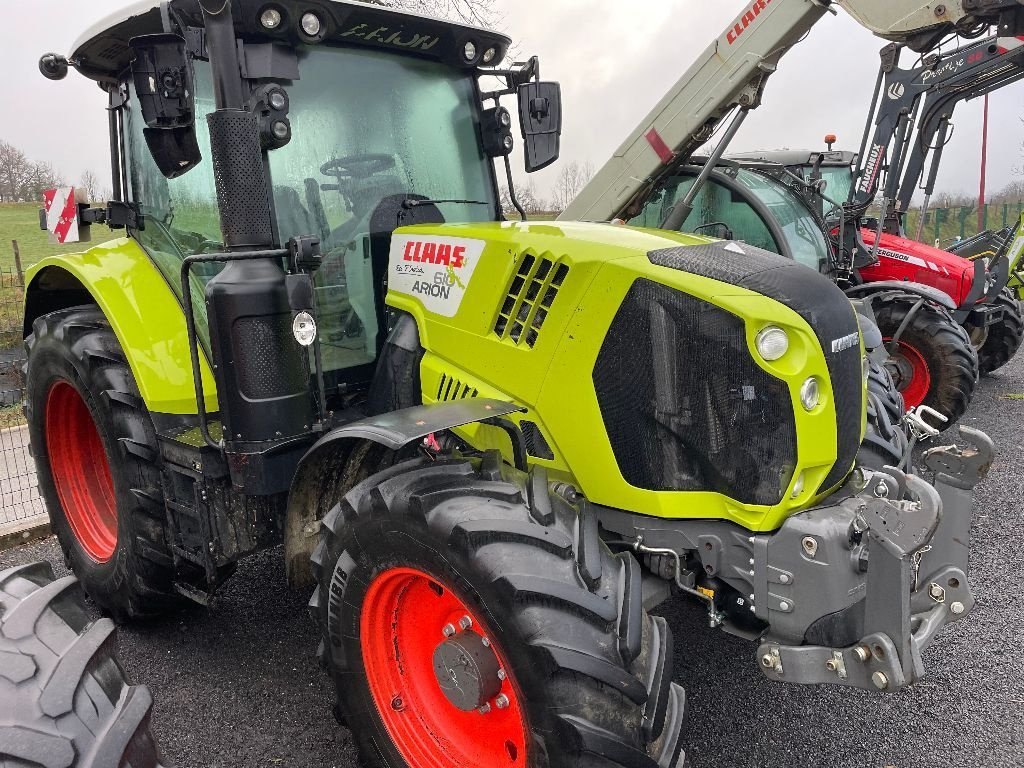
x: 366, y: 125
x: 718, y: 203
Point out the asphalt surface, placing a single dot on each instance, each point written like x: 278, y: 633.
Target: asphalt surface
x: 239, y: 686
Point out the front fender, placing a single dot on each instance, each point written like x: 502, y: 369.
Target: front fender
x: 915, y: 289
x: 142, y: 310
x: 326, y: 472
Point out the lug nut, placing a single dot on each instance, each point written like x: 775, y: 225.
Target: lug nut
x: 465, y: 622
x: 957, y: 608
x: 484, y: 709
x: 862, y: 653
x: 501, y: 701
x: 880, y: 680
x: 448, y: 630
x: 501, y: 674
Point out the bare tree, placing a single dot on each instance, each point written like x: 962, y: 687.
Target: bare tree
x: 479, y: 12
x: 91, y: 185
x: 40, y: 177
x: 14, y: 170
x: 571, y: 180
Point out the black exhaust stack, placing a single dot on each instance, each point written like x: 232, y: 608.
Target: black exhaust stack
x: 261, y: 371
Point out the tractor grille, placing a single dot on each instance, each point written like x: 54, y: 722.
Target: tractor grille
x: 812, y: 296
x: 451, y: 388
x: 530, y: 294
x: 685, y: 405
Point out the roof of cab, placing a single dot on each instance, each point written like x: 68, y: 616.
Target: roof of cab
x: 102, y: 53
x: 791, y: 157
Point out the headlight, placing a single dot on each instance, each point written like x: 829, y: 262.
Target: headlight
x: 798, y: 486
x: 810, y: 394
x: 772, y: 343
x: 310, y: 23
x: 271, y: 18
x: 469, y: 50
x: 304, y: 328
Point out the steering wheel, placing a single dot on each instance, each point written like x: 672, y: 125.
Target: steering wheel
x: 357, y: 166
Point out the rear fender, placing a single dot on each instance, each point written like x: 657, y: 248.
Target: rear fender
x: 330, y: 467
x: 142, y: 310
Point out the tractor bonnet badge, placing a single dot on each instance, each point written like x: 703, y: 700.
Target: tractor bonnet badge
x: 435, y: 270
x: 845, y: 342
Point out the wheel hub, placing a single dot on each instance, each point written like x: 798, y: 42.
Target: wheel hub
x: 467, y: 670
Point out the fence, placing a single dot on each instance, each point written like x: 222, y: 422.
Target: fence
x: 19, y: 498
x: 947, y: 224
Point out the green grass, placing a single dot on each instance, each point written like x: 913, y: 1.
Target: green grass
x: 20, y: 221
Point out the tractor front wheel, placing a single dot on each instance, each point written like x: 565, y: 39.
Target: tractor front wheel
x: 469, y: 622
x: 885, y: 438
x: 1003, y: 338
x: 96, y: 456
x: 933, y: 363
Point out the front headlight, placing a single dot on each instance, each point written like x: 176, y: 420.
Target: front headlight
x: 810, y: 393
x: 772, y: 343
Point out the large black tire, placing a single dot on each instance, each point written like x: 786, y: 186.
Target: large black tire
x: 77, y: 347
x: 64, y: 699
x: 885, y: 438
x: 592, y: 669
x: 1003, y: 338
x: 936, y: 342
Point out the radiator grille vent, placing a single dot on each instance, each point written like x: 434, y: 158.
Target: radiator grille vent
x: 451, y: 388
x: 536, y: 444
x: 529, y: 298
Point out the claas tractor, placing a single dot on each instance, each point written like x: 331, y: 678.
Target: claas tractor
x: 489, y: 448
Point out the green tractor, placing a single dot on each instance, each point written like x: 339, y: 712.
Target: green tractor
x: 490, y: 447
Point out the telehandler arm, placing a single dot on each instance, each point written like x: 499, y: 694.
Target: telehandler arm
x: 732, y: 73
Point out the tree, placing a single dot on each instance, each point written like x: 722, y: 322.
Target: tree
x: 14, y: 170
x: 40, y: 177
x: 90, y: 185
x: 479, y: 12
x: 571, y: 180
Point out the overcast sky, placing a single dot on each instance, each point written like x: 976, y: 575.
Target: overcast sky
x: 614, y: 61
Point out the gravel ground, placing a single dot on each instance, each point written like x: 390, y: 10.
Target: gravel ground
x: 239, y: 686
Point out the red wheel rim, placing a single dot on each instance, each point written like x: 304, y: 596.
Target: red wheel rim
x: 81, y: 472
x: 911, y: 374
x: 404, y: 615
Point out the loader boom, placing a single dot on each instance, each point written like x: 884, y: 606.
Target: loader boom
x: 732, y: 72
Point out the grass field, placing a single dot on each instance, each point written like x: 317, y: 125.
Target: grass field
x: 20, y: 221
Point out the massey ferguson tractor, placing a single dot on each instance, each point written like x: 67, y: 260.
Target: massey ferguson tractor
x: 489, y: 448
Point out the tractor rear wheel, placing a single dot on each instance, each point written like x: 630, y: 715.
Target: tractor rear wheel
x: 64, y: 699
x: 469, y: 622
x: 934, y: 363
x: 885, y: 438
x: 96, y: 457
x: 1003, y: 338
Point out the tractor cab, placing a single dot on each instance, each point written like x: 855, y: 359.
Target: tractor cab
x: 369, y: 120
x: 738, y: 202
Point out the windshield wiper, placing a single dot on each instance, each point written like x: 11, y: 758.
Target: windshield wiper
x: 414, y: 203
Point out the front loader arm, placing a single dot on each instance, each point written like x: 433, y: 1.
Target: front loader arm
x: 732, y: 73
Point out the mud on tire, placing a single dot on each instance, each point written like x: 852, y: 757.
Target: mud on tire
x: 941, y: 346
x: 78, y: 347
x: 64, y: 699
x: 1004, y: 338
x: 592, y: 670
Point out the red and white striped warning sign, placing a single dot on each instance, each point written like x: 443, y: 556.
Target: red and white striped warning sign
x: 1007, y: 44
x: 61, y: 214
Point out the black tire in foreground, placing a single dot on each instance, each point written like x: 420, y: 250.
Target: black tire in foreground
x: 934, y: 363
x: 64, y: 699
x: 96, y: 457
x: 471, y: 617
x: 885, y: 438
x: 1003, y: 338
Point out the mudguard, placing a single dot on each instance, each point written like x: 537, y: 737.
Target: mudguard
x: 323, y: 473
x: 915, y: 289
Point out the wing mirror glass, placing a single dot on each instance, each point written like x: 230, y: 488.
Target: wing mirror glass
x: 540, y: 116
x: 162, y: 74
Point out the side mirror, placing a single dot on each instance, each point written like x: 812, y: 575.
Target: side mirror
x: 162, y: 74
x: 540, y: 116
